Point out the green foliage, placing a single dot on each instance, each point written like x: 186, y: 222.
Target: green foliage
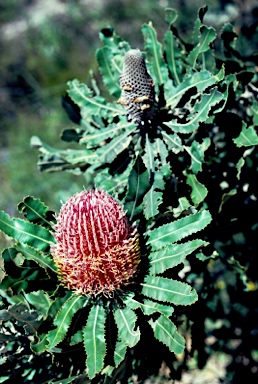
x: 187, y: 170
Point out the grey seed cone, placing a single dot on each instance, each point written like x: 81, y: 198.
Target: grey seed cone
x: 137, y: 86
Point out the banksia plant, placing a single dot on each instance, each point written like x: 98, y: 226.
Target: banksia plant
x: 97, y: 251
x: 100, y: 274
x: 110, y: 277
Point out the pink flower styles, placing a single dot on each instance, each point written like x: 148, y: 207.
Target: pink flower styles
x: 97, y: 251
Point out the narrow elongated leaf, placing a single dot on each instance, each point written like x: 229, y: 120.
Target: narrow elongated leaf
x: 148, y: 157
x: 177, y: 230
x: 173, y: 56
x: 63, y: 319
x: 201, y: 80
x: 29, y: 253
x: 247, y: 137
x: 125, y: 320
x: 89, y: 104
x: 207, y: 36
x: 201, y: 112
x: 109, y: 72
x: 25, y: 232
x: 158, y: 67
x: 168, y: 290
x: 111, y: 150
x: 138, y: 184
x: 120, y: 352
x: 96, y: 138
x: 199, y: 191
x: 33, y: 209
x: 165, y: 331
x: 172, y: 255
x: 94, y: 340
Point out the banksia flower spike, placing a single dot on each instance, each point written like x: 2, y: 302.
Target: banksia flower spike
x: 97, y: 251
x: 137, y: 86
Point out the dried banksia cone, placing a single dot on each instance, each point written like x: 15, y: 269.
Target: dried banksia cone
x: 137, y: 86
x: 97, y: 251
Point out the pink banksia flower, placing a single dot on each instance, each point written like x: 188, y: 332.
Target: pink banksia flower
x: 97, y: 251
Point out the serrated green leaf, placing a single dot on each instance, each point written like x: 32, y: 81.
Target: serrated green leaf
x: 33, y: 209
x: 183, y: 205
x: 149, y: 307
x: 200, y: 114
x: 120, y: 352
x: 94, y: 340
x: 111, y: 150
x: 247, y: 137
x: 138, y: 183
x: 109, y: 71
x: 177, y: 230
x: 57, y: 304
x: 168, y: 290
x: 172, y: 255
x: 97, y: 137
x: 161, y: 150
x: 148, y: 156
x: 197, y: 156
x: 63, y: 319
x: 25, y: 232
x: 39, y: 344
x: 199, y: 191
x: 113, y: 185
x: 158, y: 68
x: 125, y: 320
x: 40, y: 258
x: 80, y: 157
x: 36, y: 142
x: 89, y: 104
x: 151, y: 201
x: 174, y: 142
x: 77, y: 338
x: 198, y: 24
x: 201, y: 80
x: 165, y: 331
x: 40, y: 300
x: 173, y: 56
x: 207, y: 36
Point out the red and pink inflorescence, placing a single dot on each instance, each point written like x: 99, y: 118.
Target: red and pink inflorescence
x: 97, y: 251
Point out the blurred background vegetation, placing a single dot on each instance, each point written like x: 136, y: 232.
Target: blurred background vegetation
x: 45, y: 43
